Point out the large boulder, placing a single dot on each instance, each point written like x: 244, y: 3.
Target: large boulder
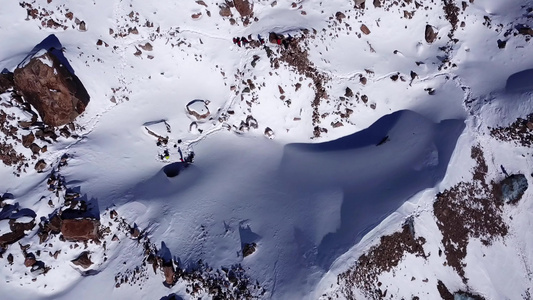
x: 244, y: 7
x: 51, y: 88
x: 80, y: 229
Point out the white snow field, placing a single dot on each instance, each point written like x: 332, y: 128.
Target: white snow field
x: 340, y: 171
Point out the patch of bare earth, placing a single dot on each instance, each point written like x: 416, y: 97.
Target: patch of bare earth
x: 381, y: 258
x: 469, y: 210
x: 296, y: 55
x: 519, y: 132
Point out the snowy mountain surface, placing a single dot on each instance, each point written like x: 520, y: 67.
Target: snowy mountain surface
x: 266, y: 149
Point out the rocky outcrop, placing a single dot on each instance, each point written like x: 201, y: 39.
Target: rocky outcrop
x: 83, y: 260
x: 80, y: 229
x: 244, y: 7
x: 54, y: 91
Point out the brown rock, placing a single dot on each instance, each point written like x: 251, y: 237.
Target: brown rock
x: 377, y: 3
x: 40, y: 166
x: 365, y: 29
x: 83, y: 260
x: 29, y: 260
x: 360, y: 3
x: 82, y: 26
x: 244, y: 7
x: 135, y: 232
x: 169, y: 272
x: 80, y: 229
x: 196, y: 16
x: 17, y: 232
x: 225, y: 11
x: 146, y: 47
x: 339, y: 16
x: 35, y: 149
x: 336, y: 124
x: 27, y: 140
x: 248, y: 249
x: 55, y: 224
x: 348, y: 92
x: 200, y: 2
x: 430, y: 34
x: 57, y: 95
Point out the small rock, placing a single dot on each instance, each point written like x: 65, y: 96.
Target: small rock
x: 30, y: 260
x: 83, y: 260
x: 348, y: 92
x: 225, y: 11
x: 269, y: 133
x: 40, y: 166
x: 35, y: 149
x: 82, y: 26
x: 27, y: 140
x: 248, y: 249
x: 337, y: 124
x: 365, y: 30
x: 430, y: 34
x: 339, y: 16
x: 147, y: 47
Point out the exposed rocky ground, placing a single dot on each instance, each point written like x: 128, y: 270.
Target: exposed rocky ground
x: 42, y: 100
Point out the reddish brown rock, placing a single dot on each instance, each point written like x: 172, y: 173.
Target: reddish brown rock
x: 244, y: 7
x: 225, y: 11
x: 27, y: 140
x: 57, y: 94
x: 40, y: 166
x: 365, y: 30
x: 30, y: 260
x: 169, y: 272
x: 17, y: 232
x: 80, y: 229
x: 83, y: 260
x: 339, y: 16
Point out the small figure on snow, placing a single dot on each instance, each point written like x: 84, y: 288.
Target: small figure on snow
x: 261, y: 40
x: 244, y: 41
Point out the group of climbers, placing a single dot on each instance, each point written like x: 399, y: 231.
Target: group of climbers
x: 280, y: 39
x: 244, y: 41
x: 273, y: 37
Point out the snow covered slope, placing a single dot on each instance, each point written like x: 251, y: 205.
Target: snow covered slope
x: 358, y: 150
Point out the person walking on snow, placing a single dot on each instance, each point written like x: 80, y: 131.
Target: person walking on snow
x: 244, y: 41
x: 261, y: 40
x: 238, y: 42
